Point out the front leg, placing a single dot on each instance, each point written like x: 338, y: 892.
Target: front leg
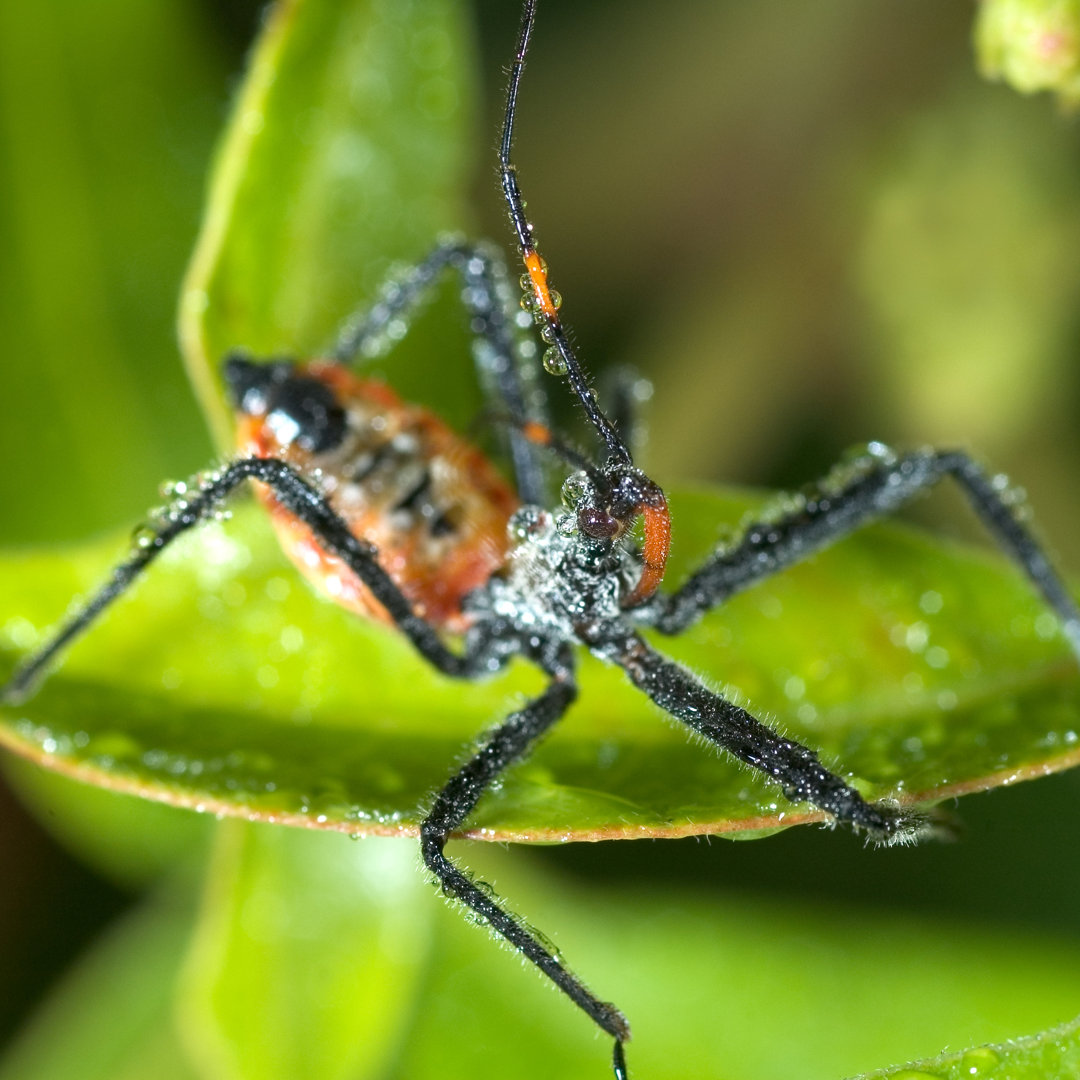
x: 299, y: 498
x: 794, y: 767
x: 854, y: 497
x: 509, y: 742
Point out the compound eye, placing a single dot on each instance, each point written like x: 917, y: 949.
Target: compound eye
x: 597, y: 523
x: 306, y: 412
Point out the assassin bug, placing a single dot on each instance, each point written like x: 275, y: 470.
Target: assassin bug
x: 395, y: 516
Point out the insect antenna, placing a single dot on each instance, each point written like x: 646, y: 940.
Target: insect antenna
x: 540, y: 435
x: 540, y: 300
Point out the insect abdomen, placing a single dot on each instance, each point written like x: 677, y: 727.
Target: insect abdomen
x: 430, y: 502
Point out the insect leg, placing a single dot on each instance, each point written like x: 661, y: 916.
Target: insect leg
x: 301, y: 499
x: 879, y: 486
x: 508, y: 742
x: 794, y: 767
x: 506, y: 372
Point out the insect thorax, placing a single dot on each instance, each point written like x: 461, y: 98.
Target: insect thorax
x: 557, y: 581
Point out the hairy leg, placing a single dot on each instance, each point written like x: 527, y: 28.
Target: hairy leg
x: 505, y: 745
x: 794, y: 767
x: 506, y: 374
x: 877, y: 486
x: 301, y: 499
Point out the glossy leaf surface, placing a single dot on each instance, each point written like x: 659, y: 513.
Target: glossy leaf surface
x: 308, y: 956
x: 224, y: 683
x: 923, y: 670
x: 474, y: 1007
x: 345, y: 155
x: 1051, y: 1054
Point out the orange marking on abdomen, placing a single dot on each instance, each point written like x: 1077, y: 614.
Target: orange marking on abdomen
x: 434, y: 572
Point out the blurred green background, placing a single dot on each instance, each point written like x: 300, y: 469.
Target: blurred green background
x: 810, y: 225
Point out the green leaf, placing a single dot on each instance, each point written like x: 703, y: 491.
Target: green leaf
x: 307, y: 957
x: 727, y: 987
x: 673, y: 959
x: 346, y: 152
x: 224, y: 684
x: 108, y: 112
x: 1051, y: 1054
x: 923, y: 670
x: 133, y: 841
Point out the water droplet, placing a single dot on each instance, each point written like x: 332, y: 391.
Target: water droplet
x: 526, y: 522
x: 913, y: 747
x: 556, y: 299
x: 547, y: 333
x: 567, y: 525
x: 979, y: 1060
x: 916, y: 637
x: 574, y: 489
x: 857, y: 462
x: 931, y: 602
x: 881, y: 452
x: 20, y: 633
x: 171, y: 489
x: 937, y: 657
x: 794, y: 688
x: 143, y: 537
x: 554, y: 362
